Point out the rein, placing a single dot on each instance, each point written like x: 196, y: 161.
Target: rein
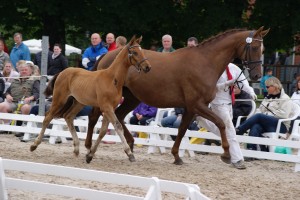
x: 130, y: 55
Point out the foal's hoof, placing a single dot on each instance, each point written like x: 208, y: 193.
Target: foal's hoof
x: 178, y: 161
x: 32, y: 148
x: 88, y: 158
x: 131, y: 158
x: 225, y: 158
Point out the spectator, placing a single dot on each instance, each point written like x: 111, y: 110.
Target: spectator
x: 294, y: 83
x: 221, y: 106
x: 9, y: 74
x: 110, y: 41
x: 174, y: 121
x: 4, y: 57
x: 20, y: 51
x: 142, y: 113
x: 121, y: 41
x: 92, y: 53
x: 192, y: 42
x: 167, y: 44
x: 240, y: 108
x: 277, y: 105
x: 269, y: 73
x: 22, y: 91
x: 2, y: 89
x: 58, y: 62
x: 5, y: 46
x: 38, y: 58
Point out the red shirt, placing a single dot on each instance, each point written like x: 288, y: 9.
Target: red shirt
x: 112, y: 46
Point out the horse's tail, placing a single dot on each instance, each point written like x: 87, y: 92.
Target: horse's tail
x: 49, y: 90
x: 65, y: 108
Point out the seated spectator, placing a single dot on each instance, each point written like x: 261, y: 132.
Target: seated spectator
x: 2, y: 88
x: 192, y: 42
x: 277, y: 105
x: 9, y: 74
x: 110, y: 42
x: 142, y: 113
x: 269, y: 73
x: 4, y: 57
x: 167, y: 44
x: 174, y: 121
x: 241, y: 108
x: 21, y: 94
x: 121, y: 41
x: 296, y: 99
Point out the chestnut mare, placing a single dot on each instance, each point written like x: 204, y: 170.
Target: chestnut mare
x: 74, y: 87
x: 186, y: 78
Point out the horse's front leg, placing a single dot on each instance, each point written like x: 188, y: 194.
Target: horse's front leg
x: 93, y: 118
x: 185, y: 122
x: 103, y: 130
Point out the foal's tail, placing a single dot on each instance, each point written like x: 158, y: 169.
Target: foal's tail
x: 49, y: 90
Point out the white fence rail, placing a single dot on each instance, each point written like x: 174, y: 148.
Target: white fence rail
x: 155, y: 141
x: 153, y: 186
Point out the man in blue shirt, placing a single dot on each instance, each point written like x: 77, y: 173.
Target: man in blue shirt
x: 269, y: 73
x: 20, y: 51
x: 92, y: 53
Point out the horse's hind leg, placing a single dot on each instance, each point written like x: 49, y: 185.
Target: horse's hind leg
x: 93, y: 118
x: 102, y: 132
x: 69, y: 117
x: 46, y: 122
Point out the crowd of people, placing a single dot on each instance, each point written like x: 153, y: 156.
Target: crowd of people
x: 20, y: 88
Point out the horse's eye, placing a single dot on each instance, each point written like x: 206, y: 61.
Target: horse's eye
x: 134, y: 53
x: 255, y: 48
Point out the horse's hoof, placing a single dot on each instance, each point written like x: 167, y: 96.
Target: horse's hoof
x: 225, y: 158
x: 88, y: 158
x: 131, y: 158
x: 32, y: 148
x: 178, y: 161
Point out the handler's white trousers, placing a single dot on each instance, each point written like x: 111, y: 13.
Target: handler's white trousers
x: 224, y: 111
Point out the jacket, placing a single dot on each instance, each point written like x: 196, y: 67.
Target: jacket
x: 145, y: 110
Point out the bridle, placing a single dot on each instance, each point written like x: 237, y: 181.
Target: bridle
x: 137, y: 65
x: 247, y: 61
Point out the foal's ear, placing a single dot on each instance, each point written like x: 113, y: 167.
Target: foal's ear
x: 132, y: 40
x: 139, y: 39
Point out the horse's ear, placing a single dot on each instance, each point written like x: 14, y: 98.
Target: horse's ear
x: 132, y: 40
x: 139, y: 39
x: 265, y: 32
x: 261, y: 32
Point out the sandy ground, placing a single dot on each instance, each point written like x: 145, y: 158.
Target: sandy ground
x: 261, y: 180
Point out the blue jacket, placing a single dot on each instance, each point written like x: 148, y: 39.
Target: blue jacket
x: 145, y: 110
x: 94, y: 52
x: 19, y: 53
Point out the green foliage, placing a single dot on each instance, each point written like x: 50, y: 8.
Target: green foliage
x: 70, y: 21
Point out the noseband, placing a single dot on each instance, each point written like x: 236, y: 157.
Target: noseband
x: 247, y: 61
x: 130, y: 55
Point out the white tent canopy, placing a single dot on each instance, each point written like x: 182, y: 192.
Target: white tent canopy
x: 35, y: 46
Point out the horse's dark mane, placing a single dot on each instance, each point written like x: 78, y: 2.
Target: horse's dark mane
x: 219, y: 36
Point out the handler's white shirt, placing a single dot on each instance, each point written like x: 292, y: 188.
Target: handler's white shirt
x: 222, y: 95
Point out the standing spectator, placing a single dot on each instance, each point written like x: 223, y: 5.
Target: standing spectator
x: 5, y: 46
x: 167, y: 44
x: 269, y: 73
x: 20, y: 51
x: 22, y: 90
x: 4, y: 57
x: 58, y: 62
x: 277, y: 105
x: 110, y: 41
x: 192, y: 42
x: 142, y: 113
x: 9, y: 74
x: 222, y: 106
x: 121, y: 41
x: 92, y: 53
x: 38, y: 58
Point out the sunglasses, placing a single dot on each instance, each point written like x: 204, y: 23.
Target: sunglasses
x: 269, y: 86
